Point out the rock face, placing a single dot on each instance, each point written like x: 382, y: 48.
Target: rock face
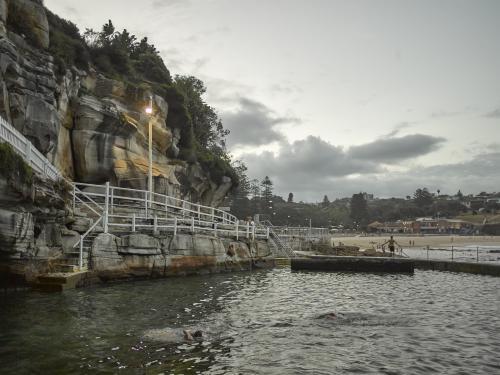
x: 141, y: 255
x: 31, y: 226
x: 94, y: 129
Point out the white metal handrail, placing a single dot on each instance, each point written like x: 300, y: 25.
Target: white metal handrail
x: 157, y: 224
x: 24, y: 148
x: 284, y: 231
x: 280, y: 244
x: 142, y: 201
x: 82, y: 238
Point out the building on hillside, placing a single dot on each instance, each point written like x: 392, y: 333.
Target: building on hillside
x: 399, y: 226
x: 454, y: 226
x: 425, y: 225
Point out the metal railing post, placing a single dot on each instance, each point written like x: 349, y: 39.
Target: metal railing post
x: 146, y: 202
x: 166, y: 206
x: 215, y: 229
x: 155, y: 224
x: 112, y: 199
x: 237, y: 230
x: 175, y: 225
x: 192, y: 224
x: 452, y: 255
x: 133, y: 222
x: 199, y: 212
x: 106, y: 209
x: 80, y: 260
x: 253, y: 232
x: 28, y: 152
x: 74, y: 198
x: 267, y: 233
x: 477, y: 254
x: 248, y: 229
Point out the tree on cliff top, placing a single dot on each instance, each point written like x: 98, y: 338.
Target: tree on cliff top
x: 119, y: 53
x: 207, y: 126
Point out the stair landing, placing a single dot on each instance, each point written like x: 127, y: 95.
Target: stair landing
x: 59, y: 281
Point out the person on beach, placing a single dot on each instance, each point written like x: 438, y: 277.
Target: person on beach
x: 392, y: 245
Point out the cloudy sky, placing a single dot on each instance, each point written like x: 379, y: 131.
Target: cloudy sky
x: 336, y: 97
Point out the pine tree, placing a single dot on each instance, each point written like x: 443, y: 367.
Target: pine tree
x: 267, y: 194
x: 359, y: 209
x: 326, y: 201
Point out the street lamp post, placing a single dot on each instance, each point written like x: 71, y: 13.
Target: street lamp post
x: 149, y: 111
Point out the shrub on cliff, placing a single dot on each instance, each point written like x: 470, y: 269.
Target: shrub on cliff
x: 13, y: 167
x: 66, y: 44
x: 22, y: 22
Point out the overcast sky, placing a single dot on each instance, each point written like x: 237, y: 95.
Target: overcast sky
x: 336, y: 97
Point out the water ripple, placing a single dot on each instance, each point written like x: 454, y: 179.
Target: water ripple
x: 260, y: 323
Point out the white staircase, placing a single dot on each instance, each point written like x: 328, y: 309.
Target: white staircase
x: 282, y: 249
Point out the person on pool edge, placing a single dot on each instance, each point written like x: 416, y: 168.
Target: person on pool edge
x: 392, y: 245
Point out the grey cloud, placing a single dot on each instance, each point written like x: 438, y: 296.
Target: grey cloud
x: 331, y: 176
x: 493, y: 114
x: 311, y: 164
x: 396, y: 149
x: 286, y: 88
x: 253, y: 124
x: 442, y: 114
x: 169, y: 3
x: 400, y: 126
x: 198, y: 37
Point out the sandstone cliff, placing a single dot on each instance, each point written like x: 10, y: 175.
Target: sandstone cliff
x: 92, y: 127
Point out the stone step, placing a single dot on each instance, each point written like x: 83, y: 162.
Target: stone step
x: 65, y: 268
x: 58, y: 282
x: 76, y: 254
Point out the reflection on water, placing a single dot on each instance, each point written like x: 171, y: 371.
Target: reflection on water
x: 260, y: 323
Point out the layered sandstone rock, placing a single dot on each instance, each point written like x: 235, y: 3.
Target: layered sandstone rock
x: 91, y: 127
x: 141, y: 255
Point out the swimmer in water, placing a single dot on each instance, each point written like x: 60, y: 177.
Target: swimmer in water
x: 188, y: 336
x: 331, y: 316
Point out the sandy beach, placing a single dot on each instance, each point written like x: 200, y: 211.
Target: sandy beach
x: 434, y: 242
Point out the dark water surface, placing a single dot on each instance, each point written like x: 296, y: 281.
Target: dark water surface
x: 259, y: 323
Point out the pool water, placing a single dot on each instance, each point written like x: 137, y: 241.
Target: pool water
x: 267, y: 322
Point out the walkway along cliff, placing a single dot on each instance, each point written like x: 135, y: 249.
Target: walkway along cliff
x: 62, y: 124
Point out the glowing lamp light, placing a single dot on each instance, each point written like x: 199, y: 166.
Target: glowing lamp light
x: 149, y: 110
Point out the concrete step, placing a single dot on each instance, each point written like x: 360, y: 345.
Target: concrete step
x: 58, y: 282
x: 75, y: 254
x: 282, y: 262
x: 65, y: 268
